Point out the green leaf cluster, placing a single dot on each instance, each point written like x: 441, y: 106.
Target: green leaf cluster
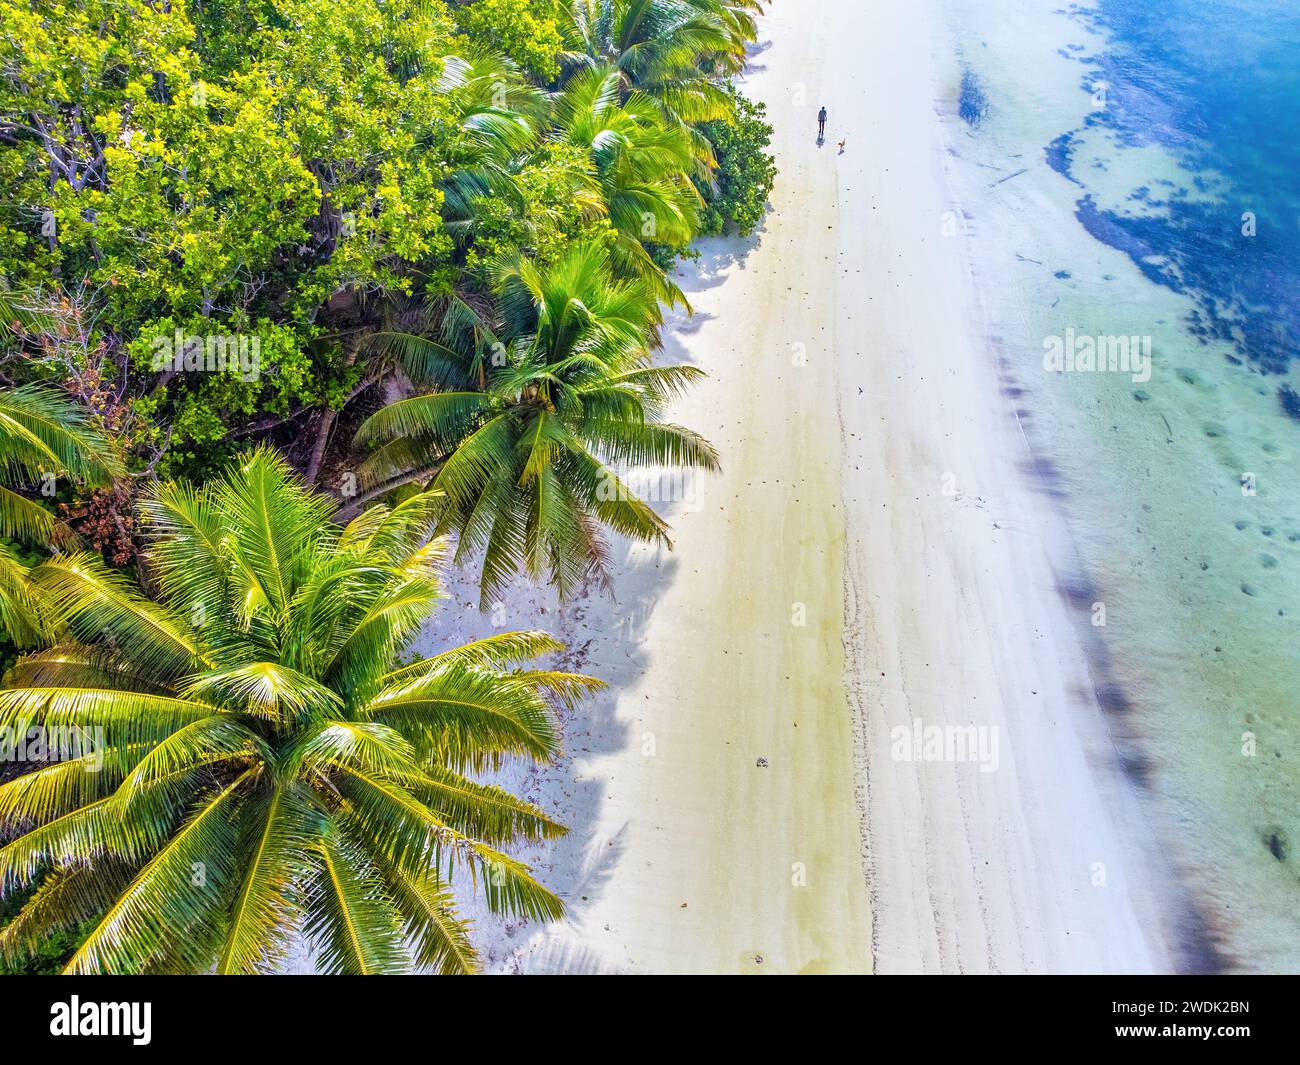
x: 737, y: 197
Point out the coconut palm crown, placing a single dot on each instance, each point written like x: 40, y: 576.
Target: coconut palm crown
x: 642, y: 165
x: 266, y: 765
x: 675, y: 51
x: 532, y: 466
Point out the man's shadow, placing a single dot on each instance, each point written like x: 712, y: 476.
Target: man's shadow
x: 821, y: 140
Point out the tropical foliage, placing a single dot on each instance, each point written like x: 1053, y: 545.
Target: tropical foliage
x: 677, y: 52
x: 284, y: 176
x: 735, y: 200
x: 529, y: 462
x: 266, y: 763
x: 527, y: 32
x: 44, y: 437
x: 296, y: 300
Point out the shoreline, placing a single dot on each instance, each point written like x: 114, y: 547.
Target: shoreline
x: 1026, y: 869
x: 687, y: 860
x: 1144, y: 480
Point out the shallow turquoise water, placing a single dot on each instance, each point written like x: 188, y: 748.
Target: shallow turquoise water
x: 1138, y: 173
x: 1217, y: 84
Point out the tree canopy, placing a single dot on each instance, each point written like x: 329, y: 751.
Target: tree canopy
x: 265, y: 763
x: 297, y: 300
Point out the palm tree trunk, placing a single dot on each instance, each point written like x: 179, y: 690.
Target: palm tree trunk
x: 323, y: 429
x: 351, y: 349
x: 353, y: 506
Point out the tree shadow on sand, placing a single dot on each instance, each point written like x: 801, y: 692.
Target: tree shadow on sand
x: 604, y: 636
x: 718, y: 257
x: 752, y: 52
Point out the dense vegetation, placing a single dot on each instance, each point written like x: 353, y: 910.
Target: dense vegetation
x: 299, y: 174
x: 267, y: 763
x: 289, y: 291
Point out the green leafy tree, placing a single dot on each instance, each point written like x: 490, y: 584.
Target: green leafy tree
x: 560, y: 204
x: 737, y: 196
x: 526, y: 31
x: 228, y: 169
x: 289, y: 174
x: 529, y: 466
x: 266, y: 763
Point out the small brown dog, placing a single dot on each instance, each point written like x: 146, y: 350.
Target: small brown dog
x: 842, y: 144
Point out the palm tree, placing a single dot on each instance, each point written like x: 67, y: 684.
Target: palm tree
x: 643, y: 165
x: 44, y: 435
x: 266, y: 764
x: 527, y: 464
x: 499, y: 117
x: 496, y: 122
x: 677, y: 52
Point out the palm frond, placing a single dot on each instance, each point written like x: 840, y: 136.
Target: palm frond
x: 424, y: 360
x: 264, y: 689
x: 172, y: 903
x: 283, y: 826
x: 99, y: 608
x: 483, y: 811
x: 352, y: 920
x: 439, y: 938
x: 120, y: 717
x: 465, y: 714
x: 498, y: 650
x: 67, y: 898
x: 28, y: 522
x: 23, y: 614
x: 46, y: 431
x: 276, y: 527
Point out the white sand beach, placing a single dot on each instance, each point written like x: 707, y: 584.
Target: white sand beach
x: 875, y: 553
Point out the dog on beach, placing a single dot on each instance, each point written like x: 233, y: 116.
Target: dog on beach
x: 842, y: 144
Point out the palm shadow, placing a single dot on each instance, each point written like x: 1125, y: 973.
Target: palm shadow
x: 605, y: 636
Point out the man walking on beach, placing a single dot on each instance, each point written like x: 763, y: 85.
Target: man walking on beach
x: 821, y: 125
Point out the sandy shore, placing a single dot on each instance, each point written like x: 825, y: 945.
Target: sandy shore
x: 874, y: 556
x: 955, y: 561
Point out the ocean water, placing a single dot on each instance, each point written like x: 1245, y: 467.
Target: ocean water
x: 1133, y: 171
x: 1217, y: 86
